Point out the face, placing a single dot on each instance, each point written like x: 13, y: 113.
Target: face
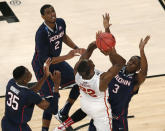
x: 133, y: 64
x: 27, y: 76
x: 49, y: 15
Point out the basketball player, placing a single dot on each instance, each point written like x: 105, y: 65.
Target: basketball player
x: 48, y: 39
x: 20, y: 100
x: 121, y: 88
x: 93, y: 88
x: 126, y: 83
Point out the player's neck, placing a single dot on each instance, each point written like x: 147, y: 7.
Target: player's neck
x: 50, y: 24
x: 21, y: 83
x: 88, y: 77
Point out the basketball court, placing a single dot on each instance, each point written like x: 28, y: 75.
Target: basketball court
x: 131, y: 20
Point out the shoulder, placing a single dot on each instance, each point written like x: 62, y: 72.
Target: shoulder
x: 60, y: 21
x: 41, y: 30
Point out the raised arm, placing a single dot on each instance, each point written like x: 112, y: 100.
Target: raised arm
x: 141, y: 76
x: 86, y: 55
x: 118, y: 63
x: 106, y: 22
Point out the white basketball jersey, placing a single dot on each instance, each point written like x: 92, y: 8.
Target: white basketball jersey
x: 94, y: 102
x: 90, y: 88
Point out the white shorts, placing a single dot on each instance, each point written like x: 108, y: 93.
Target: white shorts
x: 99, y: 111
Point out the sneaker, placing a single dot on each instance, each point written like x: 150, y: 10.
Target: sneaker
x: 57, y: 129
x: 61, y: 118
x: 63, y: 129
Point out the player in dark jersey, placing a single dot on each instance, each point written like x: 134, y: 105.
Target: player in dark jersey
x: 20, y: 99
x: 48, y: 43
x: 126, y: 84
x: 121, y: 88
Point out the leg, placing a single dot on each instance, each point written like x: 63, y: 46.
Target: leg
x: 74, y: 93
x: 91, y: 126
x: 120, y: 124
x: 67, y: 79
x: 77, y: 116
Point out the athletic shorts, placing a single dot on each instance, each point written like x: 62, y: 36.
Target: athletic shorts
x: 67, y: 77
x: 10, y: 126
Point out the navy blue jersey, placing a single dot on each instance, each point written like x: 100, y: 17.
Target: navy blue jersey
x: 19, y: 103
x: 121, y: 92
x: 48, y: 42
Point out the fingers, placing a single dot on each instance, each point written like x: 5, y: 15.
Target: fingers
x: 98, y: 33
x: 147, y: 38
x: 48, y: 62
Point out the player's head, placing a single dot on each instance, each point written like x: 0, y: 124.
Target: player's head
x: 133, y: 65
x: 22, y: 75
x: 86, y: 68
x: 48, y: 13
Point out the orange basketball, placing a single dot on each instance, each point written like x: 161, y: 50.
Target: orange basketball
x: 105, y: 41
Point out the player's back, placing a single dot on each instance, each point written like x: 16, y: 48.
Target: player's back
x: 18, y: 108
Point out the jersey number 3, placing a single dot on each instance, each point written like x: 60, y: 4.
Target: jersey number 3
x: 115, y: 90
x: 12, y: 101
x: 88, y: 91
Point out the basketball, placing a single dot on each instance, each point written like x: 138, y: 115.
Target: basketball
x: 105, y: 41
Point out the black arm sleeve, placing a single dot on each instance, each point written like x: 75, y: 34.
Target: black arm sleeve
x: 53, y: 107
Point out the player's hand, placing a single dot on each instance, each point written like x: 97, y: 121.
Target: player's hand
x: 81, y: 51
x: 73, y: 53
x: 98, y: 33
x: 109, y: 51
x: 46, y: 67
x: 106, y: 19
x: 56, y: 78
x: 143, y: 42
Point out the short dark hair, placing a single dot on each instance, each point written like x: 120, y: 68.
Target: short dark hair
x: 83, y: 67
x: 42, y: 10
x: 18, y: 72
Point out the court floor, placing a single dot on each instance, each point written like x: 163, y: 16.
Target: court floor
x: 131, y: 20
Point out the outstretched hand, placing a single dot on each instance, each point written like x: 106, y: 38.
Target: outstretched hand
x: 46, y: 67
x: 106, y: 19
x: 143, y: 42
x: 73, y: 53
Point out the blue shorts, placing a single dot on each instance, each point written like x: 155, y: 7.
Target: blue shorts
x: 67, y: 76
x: 10, y: 126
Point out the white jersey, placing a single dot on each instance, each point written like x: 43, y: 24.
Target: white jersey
x: 94, y: 102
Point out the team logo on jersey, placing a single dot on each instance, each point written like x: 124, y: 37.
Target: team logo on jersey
x: 122, y: 81
x: 55, y: 37
x: 60, y: 28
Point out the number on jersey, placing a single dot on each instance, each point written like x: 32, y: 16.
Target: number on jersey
x: 57, y: 45
x: 12, y: 101
x: 116, y: 89
x: 88, y: 91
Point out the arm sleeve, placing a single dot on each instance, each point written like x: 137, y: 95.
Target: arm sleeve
x: 42, y: 46
x: 53, y: 107
x: 33, y: 98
